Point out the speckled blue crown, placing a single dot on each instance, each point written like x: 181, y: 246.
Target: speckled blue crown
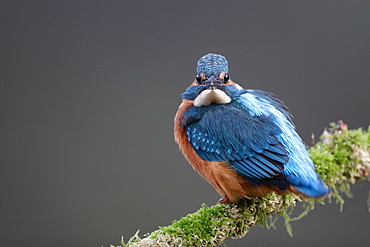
x: 212, y: 64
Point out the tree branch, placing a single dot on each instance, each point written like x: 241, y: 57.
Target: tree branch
x: 341, y: 157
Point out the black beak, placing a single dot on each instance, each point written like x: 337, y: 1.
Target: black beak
x: 213, y: 83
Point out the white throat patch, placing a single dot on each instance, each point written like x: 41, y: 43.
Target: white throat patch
x: 210, y: 96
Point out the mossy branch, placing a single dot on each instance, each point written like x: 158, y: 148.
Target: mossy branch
x: 341, y: 157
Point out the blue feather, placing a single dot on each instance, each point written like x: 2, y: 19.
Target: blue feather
x: 271, y: 167
x: 227, y: 133
x: 265, y: 163
x: 249, y: 169
x: 278, y: 149
x: 299, y: 170
x: 212, y: 64
x: 278, y: 158
x: 230, y: 129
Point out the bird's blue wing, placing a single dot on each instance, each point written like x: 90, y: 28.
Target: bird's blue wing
x: 230, y: 133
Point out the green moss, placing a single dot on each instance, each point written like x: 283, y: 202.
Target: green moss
x: 338, y: 160
x: 210, y: 226
x: 203, y: 227
x: 197, y: 228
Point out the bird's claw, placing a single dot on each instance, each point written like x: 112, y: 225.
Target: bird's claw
x: 224, y: 200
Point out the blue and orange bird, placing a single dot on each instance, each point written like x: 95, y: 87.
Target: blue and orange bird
x: 243, y: 142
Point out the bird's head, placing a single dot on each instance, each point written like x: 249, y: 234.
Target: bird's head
x: 212, y: 84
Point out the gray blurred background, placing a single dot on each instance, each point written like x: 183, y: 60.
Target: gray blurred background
x: 89, y: 90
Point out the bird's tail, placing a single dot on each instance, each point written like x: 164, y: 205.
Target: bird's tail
x: 316, y: 188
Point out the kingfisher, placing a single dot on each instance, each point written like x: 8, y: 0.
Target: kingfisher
x: 242, y: 141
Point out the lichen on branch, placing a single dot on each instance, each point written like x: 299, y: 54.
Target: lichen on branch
x: 341, y: 157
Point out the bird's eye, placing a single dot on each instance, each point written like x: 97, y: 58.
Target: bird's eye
x: 199, y: 79
x: 226, y: 78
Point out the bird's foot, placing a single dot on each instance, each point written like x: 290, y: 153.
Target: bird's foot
x: 224, y: 200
